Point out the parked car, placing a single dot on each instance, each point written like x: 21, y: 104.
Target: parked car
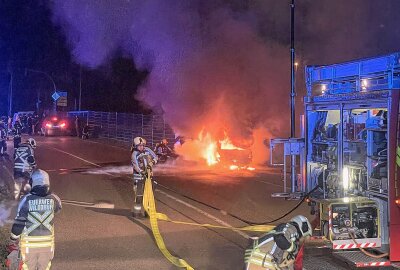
x: 55, y: 125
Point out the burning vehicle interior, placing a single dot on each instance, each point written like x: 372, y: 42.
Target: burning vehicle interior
x: 216, y: 153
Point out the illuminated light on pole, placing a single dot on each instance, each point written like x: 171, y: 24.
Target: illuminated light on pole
x: 346, y: 178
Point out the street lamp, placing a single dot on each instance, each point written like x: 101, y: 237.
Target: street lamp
x: 80, y: 86
x: 10, y: 92
x: 48, y: 76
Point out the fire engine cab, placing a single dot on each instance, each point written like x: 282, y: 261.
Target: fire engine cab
x: 349, y: 156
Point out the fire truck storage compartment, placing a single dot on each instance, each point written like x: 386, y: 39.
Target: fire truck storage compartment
x: 364, y: 149
x: 346, y: 217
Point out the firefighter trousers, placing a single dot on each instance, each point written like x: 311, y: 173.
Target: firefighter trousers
x: 37, y: 258
x: 3, y: 147
x: 21, y: 187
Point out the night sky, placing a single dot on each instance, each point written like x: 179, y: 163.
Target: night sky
x: 29, y: 39
x: 183, y: 57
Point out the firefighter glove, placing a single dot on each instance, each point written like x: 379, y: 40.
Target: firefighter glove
x: 12, y: 245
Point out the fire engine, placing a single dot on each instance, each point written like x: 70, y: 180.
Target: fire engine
x: 348, y: 155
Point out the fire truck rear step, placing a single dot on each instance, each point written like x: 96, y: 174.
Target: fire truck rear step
x: 358, y: 259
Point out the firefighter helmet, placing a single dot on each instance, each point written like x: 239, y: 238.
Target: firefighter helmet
x: 303, y: 225
x: 139, y: 141
x: 32, y: 142
x: 40, y: 178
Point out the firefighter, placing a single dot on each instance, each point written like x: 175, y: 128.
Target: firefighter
x: 17, y: 131
x: 77, y: 126
x: 24, y: 164
x: 32, y: 234
x: 3, y: 139
x: 143, y: 159
x: 85, y: 132
x: 163, y: 151
x: 278, y: 249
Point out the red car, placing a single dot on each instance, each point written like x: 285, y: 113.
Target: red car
x: 55, y: 125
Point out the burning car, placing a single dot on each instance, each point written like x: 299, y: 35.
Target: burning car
x: 235, y: 158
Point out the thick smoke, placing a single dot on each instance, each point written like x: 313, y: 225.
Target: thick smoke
x: 5, y: 212
x: 209, y: 68
x: 224, y: 65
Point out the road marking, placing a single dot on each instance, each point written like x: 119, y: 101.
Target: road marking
x: 72, y: 155
x: 203, y: 213
x: 166, y: 194
x: 118, y: 147
x: 269, y: 183
x: 101, y: 205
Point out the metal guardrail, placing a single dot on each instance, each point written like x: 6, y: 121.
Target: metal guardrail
x: 123, y: 127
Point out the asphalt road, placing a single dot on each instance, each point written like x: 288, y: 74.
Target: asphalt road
x: 100, y: 238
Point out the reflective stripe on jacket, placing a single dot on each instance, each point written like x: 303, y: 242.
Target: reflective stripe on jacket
x: 24, y: 159
x: 34, y: 222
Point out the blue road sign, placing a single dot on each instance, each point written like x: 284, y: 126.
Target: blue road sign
x: 55, y: 96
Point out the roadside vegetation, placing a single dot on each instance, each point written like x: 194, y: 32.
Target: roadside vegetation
x: 4, y: 227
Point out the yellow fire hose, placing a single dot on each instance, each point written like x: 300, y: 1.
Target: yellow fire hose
x: 150, y: 207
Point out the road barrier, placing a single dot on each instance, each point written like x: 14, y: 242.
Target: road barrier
x: 123, y: 127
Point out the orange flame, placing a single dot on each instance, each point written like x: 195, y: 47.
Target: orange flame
x: 227, y: 144
x: 206, y: 148
x: 209, y: 150
x: 233, y: 167
x: 211, y: 154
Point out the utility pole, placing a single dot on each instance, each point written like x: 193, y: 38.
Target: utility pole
x: 10, y: 93
x: 292, y: 95
x: 80, y: 86
x: 292, y: 73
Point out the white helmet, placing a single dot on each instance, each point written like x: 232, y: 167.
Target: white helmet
x: 32, y: 142
x: 303, y: 224
x: 40, y: 178
x: 139, y: 141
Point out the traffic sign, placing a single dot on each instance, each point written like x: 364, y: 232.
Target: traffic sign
x: 55, y: 96
x: 63, y: 100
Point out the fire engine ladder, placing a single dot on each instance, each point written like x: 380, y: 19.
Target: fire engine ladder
x: 293, y: 148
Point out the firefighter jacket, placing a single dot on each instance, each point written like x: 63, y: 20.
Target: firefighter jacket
x: 163, y: 149
x: 141, y: 160
x: 17, y: 130
x: 3, y: 134
x: 34, y: 223
x: 24, y: 159
x: 275, y: 250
